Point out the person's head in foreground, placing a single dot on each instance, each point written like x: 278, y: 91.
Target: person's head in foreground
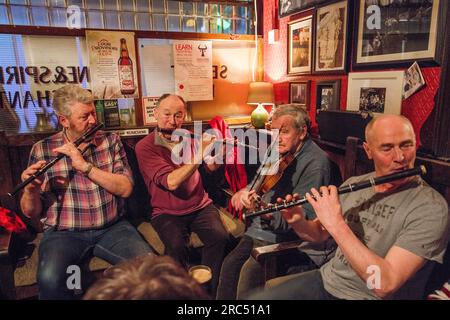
x: 147, y: 277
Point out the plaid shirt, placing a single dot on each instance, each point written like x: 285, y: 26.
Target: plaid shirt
x: 70, y: 199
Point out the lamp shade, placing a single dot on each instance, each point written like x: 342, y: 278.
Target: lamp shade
x: 260, y: 92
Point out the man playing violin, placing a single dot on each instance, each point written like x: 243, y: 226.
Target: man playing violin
x: 388, y: 236
x: 178, y: 199
x: 308, y: 167
x: 80, y: 198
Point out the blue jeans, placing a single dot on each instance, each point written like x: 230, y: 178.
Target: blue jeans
x: 306, y: 286
x: 60, y: 249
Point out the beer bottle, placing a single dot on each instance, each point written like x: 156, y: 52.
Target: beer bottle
x: 125, y: 65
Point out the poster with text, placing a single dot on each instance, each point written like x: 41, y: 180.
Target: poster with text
x: 193, y: 63
x: 112, y: 61
x: 148, y: 108
x: 31, y: 68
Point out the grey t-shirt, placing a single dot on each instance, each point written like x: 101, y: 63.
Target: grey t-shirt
x: 414, y: 217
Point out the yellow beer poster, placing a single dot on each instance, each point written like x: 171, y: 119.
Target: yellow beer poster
x: 112, y: 61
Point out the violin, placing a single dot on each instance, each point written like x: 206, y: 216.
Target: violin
x: 269, y: 181
x: 265, y: 183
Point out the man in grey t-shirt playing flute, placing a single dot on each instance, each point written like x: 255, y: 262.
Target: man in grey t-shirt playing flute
x: 388, y: 236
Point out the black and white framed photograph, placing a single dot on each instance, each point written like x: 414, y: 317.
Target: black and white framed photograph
x: 375, y: 92
x: 396, y: 33
x: 299, y: 93
x: 413, y: 80
x: 288, y: 7
x: 328, y: 95
x: 331, y: 38
x: 300, y: 46
x: 372, y: 99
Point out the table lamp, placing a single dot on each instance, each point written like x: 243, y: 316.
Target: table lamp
x: 260, y: 93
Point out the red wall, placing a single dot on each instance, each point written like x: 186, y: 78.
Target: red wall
x: 417, y: 108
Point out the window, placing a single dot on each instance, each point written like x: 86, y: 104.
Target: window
x: 142, y: 5
x: 159, y: 22
x: 127, y: 5
x: 95, y: 19
x: 40, y: 16
x: 144, y: 21
x: 111, y: 20
x: 188, y: 24
x: 3, y: 15
x: 127, y: 21
x: 19, y: 15
x: 157, y: 15
x: 174, y: 23
x: 173, y: 7
x: 110, y: 5
x: 188, y: 9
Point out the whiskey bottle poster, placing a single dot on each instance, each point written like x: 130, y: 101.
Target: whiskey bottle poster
x: 111, y: 113
x: 112, y: 61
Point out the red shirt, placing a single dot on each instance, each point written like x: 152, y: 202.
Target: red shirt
x: 155, y: 164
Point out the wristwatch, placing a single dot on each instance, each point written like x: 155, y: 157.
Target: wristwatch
x: 88, y: 169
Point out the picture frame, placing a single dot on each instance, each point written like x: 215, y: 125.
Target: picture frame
x: 400, y: 33
x: 331, y: 36
x: 328, y: 95
x: 288, y: 7
x: 300, y: 51
x: 375, y: 92
x: 299, y: 93
x: 413, y: 81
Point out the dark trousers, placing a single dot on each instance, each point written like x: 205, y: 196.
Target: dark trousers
x: 241, y: 273
x: 306, y: 286
x: 174, y: 232
x: 231, y: 269
x: 61, y: 251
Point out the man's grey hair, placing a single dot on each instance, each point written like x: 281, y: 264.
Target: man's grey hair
x: 66, y: 96
x: 301, y: 118
x: 166, y: 95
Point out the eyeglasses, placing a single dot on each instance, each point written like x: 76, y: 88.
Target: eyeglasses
x: 178, y: 116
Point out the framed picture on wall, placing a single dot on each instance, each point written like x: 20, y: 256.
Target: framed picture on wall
x: 299, y: 93
x: 412, y: 81
x: 288, y: 7
x: 300, y: 46
x: 331, y: 38
x: 328, y: 95
x: 375, y: 92
x: 396, y: 34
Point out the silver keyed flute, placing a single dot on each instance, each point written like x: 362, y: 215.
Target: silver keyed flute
x: 421, y: 170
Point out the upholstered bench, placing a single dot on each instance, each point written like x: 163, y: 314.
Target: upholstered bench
x: 18, y: 276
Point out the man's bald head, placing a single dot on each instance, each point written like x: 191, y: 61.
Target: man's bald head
x: 386, y: 121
